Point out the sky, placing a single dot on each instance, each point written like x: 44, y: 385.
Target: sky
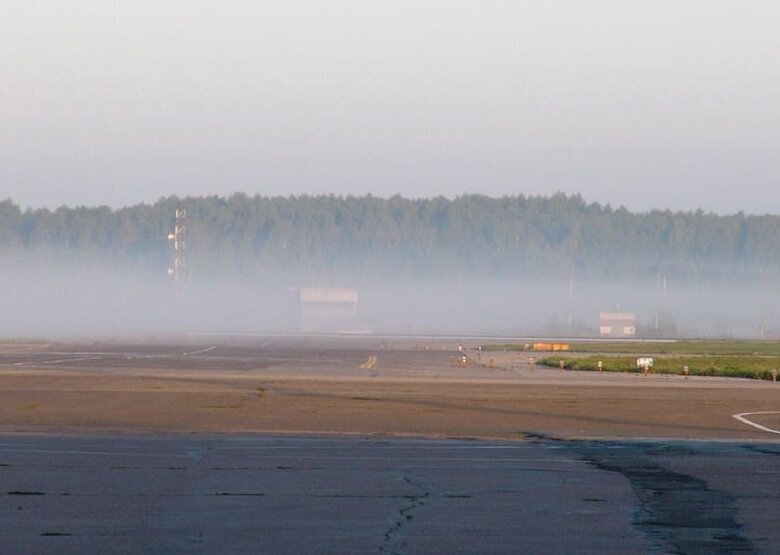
x: 647, y: 104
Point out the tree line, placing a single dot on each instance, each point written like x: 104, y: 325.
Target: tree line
x: 471, y: 235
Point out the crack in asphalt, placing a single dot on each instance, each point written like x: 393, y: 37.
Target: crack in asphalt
x: 392, y: 544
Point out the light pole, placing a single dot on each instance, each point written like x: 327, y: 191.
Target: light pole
x: 178, y: 239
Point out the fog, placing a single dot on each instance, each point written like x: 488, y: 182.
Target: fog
x: 643, y: 105
x: 96, y: 301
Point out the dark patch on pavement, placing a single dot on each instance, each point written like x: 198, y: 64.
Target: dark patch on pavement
x: 763, y: 449
x: 681, y: 510
x: 680, y: 513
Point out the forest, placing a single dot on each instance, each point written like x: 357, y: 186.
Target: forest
x: 468, y: 236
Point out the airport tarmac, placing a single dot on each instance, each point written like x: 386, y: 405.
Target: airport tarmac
x: 333, y: 445
x: 359, y: 385
x: 293, y: 494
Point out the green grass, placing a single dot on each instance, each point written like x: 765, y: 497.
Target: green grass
x: 725, y: 347
x: 755, y: 367
x: 687, y: 347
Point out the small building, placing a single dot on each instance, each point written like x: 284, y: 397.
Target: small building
x: 617, y: 324
x: 327, y: 309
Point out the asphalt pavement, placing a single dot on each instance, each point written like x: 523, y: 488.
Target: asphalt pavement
x: 198, y: 493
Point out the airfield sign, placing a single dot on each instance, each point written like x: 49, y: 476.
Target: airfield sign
x: 644, y: 362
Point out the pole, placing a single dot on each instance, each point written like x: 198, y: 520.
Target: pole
x: 178, y: 238
x: 571, y: 300
x: 761, y: 323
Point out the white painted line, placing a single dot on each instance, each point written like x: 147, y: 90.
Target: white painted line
x: 741, y: 417
x: 107, y: 453
x: 107, y: 354
x: 373, y: 447
x: 524, y: 339
x: 206, y: 350
x: 81, y: 353
x: 422, y: 458
x: 42, y: 362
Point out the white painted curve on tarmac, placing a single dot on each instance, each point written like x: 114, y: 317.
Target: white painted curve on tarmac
x: 742, y: 418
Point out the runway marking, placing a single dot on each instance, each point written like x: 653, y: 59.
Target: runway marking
x: 101, y: 354
x: 206, y: 350
x: 378, y: 447
x: 369, y: 363
x: 420, y: 458
x: 370, y: 336
x: 193, y: 456
x: 108, y: 453
x: 109, y: 354
x: 741, y: 417
x: 37, y: 363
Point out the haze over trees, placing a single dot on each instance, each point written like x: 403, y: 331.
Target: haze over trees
x: 466, y: 236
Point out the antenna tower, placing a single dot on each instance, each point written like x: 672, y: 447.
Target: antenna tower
x: 178, y: 239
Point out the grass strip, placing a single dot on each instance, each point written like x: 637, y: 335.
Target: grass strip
x: 757, y: 368
x: 687, y: 347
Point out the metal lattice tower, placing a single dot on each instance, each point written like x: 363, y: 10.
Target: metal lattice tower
x: 178, y: 239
